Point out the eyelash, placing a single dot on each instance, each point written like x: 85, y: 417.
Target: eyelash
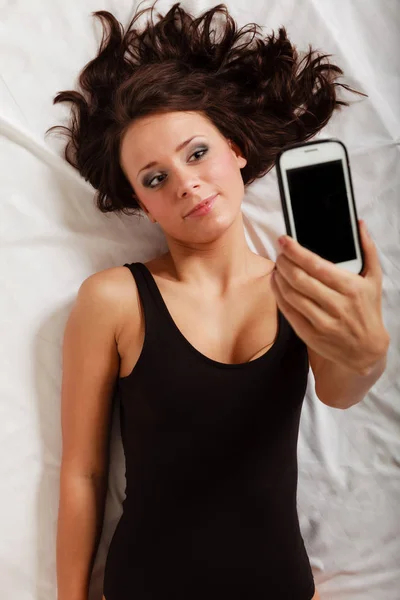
x: 148, y: 181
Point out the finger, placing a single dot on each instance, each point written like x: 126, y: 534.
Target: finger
x: 299, y: 281
x: 324, y: 270
x: 372, y: 267
x: 299, y: 322
x: 292, y: 300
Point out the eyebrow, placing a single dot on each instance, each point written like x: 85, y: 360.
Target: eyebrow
x: 180, y: 147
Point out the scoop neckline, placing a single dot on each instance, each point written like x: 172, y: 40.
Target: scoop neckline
x: 268, y: 355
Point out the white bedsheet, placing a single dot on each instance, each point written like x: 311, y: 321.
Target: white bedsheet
x: 52, y: 237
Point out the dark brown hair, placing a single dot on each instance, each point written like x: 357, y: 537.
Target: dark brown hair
x: 255, y: 90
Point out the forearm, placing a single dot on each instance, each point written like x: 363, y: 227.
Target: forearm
x: 340, y: 387
x: 80, y: 517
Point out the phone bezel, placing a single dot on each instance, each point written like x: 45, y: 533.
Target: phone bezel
x: 302, y: 154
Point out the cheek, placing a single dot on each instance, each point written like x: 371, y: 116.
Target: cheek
x: 224, y: 171
x: 152, y: 205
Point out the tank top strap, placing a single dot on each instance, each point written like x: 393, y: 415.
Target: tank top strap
x: 151, y: 300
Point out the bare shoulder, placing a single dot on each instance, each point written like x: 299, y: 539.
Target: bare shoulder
x: 107, y: 284
x: 113, y: 291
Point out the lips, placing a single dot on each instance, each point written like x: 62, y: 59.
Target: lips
x: 200, y: 205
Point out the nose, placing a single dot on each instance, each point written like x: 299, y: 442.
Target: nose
x: 187, y: 181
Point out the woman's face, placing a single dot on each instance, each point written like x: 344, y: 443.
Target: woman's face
x: 183, y: 174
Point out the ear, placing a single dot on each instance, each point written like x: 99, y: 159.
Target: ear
x: 144, y: 209
x: 242, y: 162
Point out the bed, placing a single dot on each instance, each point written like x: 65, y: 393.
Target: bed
x: 52, y: 237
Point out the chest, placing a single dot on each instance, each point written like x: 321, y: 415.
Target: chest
x: 233, y: 330
x: 237, y: 329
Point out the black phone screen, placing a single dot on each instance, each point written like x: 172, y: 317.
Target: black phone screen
x: 321, y: 211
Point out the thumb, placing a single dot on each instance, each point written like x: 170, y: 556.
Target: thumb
x: 372, y: 267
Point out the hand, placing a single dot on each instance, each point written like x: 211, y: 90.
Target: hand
x: 336, y: 313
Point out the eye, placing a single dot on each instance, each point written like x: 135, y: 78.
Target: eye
x: 148, y: 182
x: 205, y: 150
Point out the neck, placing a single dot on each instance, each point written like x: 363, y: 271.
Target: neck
x: 216, y: 266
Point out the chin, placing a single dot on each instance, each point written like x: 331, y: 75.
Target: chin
x: 212, y: 230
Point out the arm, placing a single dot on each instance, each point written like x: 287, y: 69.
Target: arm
x: 339, y: 315
x: 90, y: 368
x: 339, y: 387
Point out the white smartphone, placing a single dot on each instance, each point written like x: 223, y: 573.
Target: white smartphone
x: 318, y: 201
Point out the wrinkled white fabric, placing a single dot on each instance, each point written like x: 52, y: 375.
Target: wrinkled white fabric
x: 52, y: 237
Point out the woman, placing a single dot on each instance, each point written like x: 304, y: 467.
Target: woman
x: 210, y: 375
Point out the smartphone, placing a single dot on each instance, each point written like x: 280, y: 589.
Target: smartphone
x: 318, y: 201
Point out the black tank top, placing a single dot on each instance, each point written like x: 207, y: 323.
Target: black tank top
x: 211, y: 469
